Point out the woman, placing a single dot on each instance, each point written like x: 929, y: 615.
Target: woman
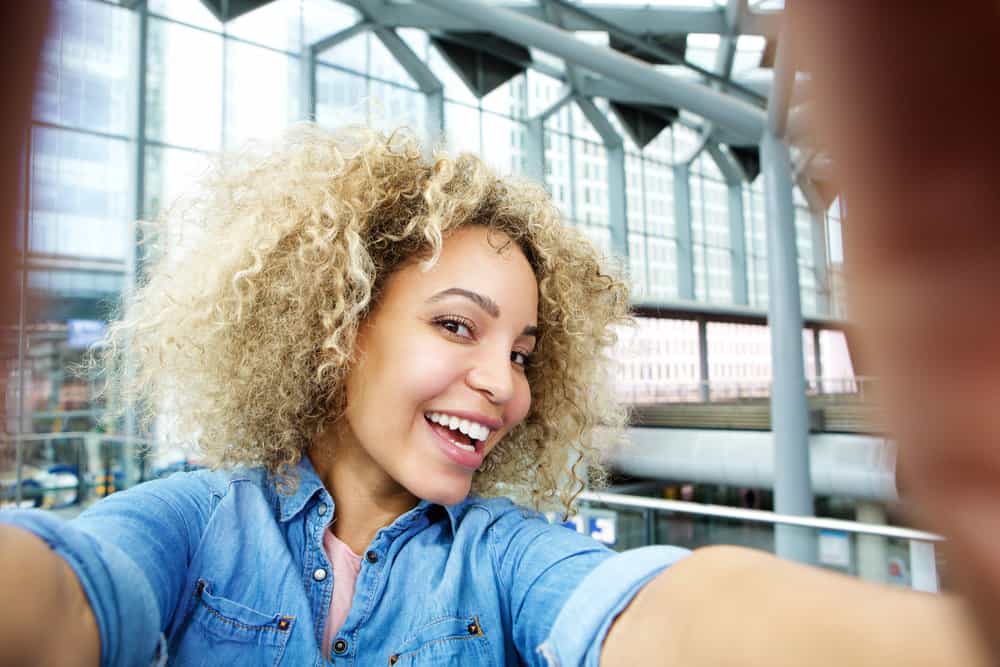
x: 376, y: 352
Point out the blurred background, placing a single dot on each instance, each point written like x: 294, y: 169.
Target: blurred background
x: 733, y: 244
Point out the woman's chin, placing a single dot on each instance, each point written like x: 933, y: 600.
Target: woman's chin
x: 445, y: 495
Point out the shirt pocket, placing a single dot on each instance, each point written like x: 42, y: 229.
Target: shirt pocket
x: 447, y: 641
x: 221, y: 631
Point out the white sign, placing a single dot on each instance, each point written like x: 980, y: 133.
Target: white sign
x: 835, y: 548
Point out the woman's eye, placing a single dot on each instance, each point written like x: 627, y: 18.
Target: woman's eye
x: 520, y: 358
x: 456, y: 327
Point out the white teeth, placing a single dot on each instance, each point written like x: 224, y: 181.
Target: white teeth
x: 468, y: 448
x: 469, y: 428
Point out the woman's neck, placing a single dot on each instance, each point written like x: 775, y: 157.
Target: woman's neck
x: 365, y: 497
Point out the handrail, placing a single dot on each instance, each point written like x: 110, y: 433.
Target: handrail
x: 760, y: 516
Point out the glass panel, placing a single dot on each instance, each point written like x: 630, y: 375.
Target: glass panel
x: 392, y: 106
x: 277, y: 24
x: 71, y: 450
x: 187, y: 11
x: 510, y: 99
x: 581, y: 126
x: 659, y: 188
x: 657, y: 361
x: 383, y: 65
x: 351, y: 54
x: 739, y: 360
x: 560, y: 120
x: 184, y: 86
x: 662, y: 258
x: 261, y: 93
x: 322, y: 18
x: 835, y: 357
x: 86, y: 74
x: 590, y: 177
x: 720, y: 280
x: 338, y: 97
x: 701, y: 49
x: 542, y: 91
x: 557, y: 172
x: 502, y: 143
x: 81, y: 196
x: 170, y: 173
x: 461, y: 128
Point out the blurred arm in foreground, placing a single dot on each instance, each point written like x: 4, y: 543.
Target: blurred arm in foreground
x: 907, y: 97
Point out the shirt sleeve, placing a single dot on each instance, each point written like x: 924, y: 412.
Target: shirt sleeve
x: 565, y: 589
x: 130, y: 552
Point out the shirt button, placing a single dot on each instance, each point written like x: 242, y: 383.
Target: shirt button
x: 319, y: 574
x: 339, y: 646
x: 372, y: 556
x: 321, y: 510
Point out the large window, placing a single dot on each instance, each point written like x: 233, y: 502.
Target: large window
x: 117, y: 135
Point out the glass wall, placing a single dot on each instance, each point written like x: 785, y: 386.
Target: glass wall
x: 132, y: 107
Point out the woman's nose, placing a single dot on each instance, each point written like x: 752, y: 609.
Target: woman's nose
x: 493, y: 375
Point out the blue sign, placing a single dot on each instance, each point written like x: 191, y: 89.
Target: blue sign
x: 82, y: 334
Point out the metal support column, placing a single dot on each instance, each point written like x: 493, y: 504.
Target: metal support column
x: 685, y: 247
x: 132, y: 467
x: 820, y: 260
x: 703, y: 377
x: 737, y: 240
x: 615, y: 147
x: 873, y: 550
x: 789, y: 409
x: 817, y: 360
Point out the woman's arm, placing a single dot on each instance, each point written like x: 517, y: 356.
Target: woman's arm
x: 45, y: 618
x: 734, y: 606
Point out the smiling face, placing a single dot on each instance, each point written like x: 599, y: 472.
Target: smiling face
x: 440, y: 377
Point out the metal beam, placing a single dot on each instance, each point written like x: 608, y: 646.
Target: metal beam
x: 685, y: 246
x: 331, y: 41
x: 781, y: 90
x: 698, y: 98
x: 615, y: 147
x: 655, y: 50
x: 425, y: 79
x: 638, y: 20
x: 715, y: 312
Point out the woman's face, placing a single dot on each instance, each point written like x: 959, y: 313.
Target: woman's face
x: 440, y: 377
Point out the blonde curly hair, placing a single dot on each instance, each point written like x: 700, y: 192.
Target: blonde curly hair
x: 250, y: 333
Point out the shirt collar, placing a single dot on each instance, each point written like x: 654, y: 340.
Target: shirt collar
x: 310, y: 484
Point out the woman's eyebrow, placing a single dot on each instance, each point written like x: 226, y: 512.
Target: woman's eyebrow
x: 486, y: 303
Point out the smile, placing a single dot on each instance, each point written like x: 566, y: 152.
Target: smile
x: 475, y: 431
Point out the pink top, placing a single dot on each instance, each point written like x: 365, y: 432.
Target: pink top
x: 346, y: 565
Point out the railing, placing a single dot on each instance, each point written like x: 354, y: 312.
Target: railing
x: 639, y: 392
x: 887, y: 554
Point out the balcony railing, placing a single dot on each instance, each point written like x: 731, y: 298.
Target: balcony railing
x: 886, y: 554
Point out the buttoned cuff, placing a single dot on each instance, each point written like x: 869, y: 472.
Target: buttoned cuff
x: 580, y: 628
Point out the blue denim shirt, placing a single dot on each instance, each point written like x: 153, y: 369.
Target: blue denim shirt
x: 211, y: 568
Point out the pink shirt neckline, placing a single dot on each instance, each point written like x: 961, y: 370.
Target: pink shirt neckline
x: 346, y: 565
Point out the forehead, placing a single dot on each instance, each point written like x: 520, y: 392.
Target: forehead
x: 472, y: 258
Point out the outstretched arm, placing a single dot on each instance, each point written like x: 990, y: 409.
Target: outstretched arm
x: 48, y: 622
x: 733, y: 606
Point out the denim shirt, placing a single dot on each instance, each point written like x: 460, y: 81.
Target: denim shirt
x: 210, y: 568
